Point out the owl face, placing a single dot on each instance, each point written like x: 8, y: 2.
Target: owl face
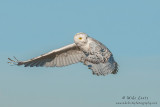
x: 80, y: 38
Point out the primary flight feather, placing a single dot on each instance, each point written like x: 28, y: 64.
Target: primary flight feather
x: 85, y: 49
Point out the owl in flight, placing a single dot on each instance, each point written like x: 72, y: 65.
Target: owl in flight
x: 85, y: 49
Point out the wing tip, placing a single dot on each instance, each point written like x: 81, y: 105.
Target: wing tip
x: 15, y: 62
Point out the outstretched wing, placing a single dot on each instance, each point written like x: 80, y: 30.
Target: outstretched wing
x: 64, y: 56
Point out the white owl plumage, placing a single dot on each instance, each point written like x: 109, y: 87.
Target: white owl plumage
x: 87, y: 50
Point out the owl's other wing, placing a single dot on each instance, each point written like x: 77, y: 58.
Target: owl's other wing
x: 109, y: 67
x: 101, y: 61
x: 64, y: 56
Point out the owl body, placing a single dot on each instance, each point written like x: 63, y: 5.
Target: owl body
x: 98, y: 58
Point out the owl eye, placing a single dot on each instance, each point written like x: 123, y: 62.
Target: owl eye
x: 80, y: 38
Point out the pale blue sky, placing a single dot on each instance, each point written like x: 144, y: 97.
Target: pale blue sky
x: 130, y: 29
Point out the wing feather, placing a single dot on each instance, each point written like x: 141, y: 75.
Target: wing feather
x: 37, y: 65
x: 72, y: 58
x: 61, y: 60
x: 64, y: 60
x: 69, y: 59
x: 75, y: 58
x: 57, y: 63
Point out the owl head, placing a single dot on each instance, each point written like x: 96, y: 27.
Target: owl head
x: 80, y: 38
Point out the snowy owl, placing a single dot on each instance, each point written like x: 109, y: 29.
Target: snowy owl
x: 85, y: 49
